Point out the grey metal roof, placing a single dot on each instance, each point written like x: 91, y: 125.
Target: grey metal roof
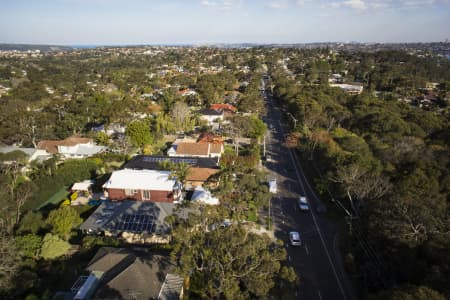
x: 109, y: 215
x: 27, y: 151
x: 152, y: 162
x: 89, y: 150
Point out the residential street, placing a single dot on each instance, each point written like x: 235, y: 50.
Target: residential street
x: 317, y: 262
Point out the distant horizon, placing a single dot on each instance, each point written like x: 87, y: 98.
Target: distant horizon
x: 192, y: 22
x: 216, y: 43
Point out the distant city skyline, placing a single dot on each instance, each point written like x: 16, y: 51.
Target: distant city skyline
x: 131, y: 22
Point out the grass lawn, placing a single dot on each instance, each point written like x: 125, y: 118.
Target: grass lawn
x: 57, y: 197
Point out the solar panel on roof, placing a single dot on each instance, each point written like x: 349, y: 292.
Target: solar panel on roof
x: 134, y: 223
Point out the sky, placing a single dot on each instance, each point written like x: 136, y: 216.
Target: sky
x: 127, y: 22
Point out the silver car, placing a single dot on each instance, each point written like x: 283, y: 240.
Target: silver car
x: 303, y: 203
x: 294, y: 238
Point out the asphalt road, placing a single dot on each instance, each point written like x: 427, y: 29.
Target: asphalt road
x: 317, y: 262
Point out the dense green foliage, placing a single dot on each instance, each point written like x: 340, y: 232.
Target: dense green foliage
x: 53, y: 246
x: 387, y: 162
x: 63, y: 220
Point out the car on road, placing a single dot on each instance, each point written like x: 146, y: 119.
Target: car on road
x: 303, y: 203
x: 294, y: 238
x: 273, y: 186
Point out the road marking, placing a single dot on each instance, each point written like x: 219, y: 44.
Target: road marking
x: 315, y: 221
x: 320, y: 295
x: 306, y: 248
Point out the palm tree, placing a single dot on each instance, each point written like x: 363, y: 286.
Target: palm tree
x: 179, y: 171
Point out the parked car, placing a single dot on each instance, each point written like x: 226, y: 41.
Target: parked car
x: 294, y: 238
x: 303, y: 203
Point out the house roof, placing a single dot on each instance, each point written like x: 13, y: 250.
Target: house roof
x: 49, y: 146
x: 141, y: 276
x: 140, y: 180
x: 152, y: 162
x: 82, y: 186
x: 192, y: 149
x: 140, y: 280
x: 211, y: 112
x: 52, y: 145
x: 111, y: 213
x: 110, y: 260
x: 75, y: 140
x: 223, y: 106
x: 27, y: 151
x: 200, y: 174
x: 210, y: 138
x: 216, y: 148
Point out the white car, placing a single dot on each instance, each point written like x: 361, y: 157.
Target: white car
x: 273, y: 186
x: 303, y: 203
x: 294, y: 238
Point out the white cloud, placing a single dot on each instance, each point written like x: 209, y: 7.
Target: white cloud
x: 383, y: 4
x: 221, y: 4
x: 355, y: 4
x: 416, y: 3
x: 281, y: 4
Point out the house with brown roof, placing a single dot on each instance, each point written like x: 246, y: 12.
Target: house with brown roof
x: 71, y: 147
x: 223, y: 106
x: 210, y: 138
x: 196, y: 150
x: 119, y: 273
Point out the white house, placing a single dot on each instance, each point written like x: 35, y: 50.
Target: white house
x: 211, y: 115
x: 143, y: 185
x: 349, y: 88
x: 71, y: 147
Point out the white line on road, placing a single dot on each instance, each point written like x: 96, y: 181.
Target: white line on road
x: 315, y: 221
x: 320, y: 295
x: 306, y: 248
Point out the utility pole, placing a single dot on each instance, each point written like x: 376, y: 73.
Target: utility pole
x: 264, y: 146
x: 294, y: 119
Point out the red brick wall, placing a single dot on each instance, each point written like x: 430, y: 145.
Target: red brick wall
x: 155, y: 196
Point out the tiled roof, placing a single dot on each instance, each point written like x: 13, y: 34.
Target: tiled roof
x: 192, y: 149
x: 200, y: 174
x: 210, y: 138
x: 223, y: 106
x: 49, y: 146
x: 216, y: 148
